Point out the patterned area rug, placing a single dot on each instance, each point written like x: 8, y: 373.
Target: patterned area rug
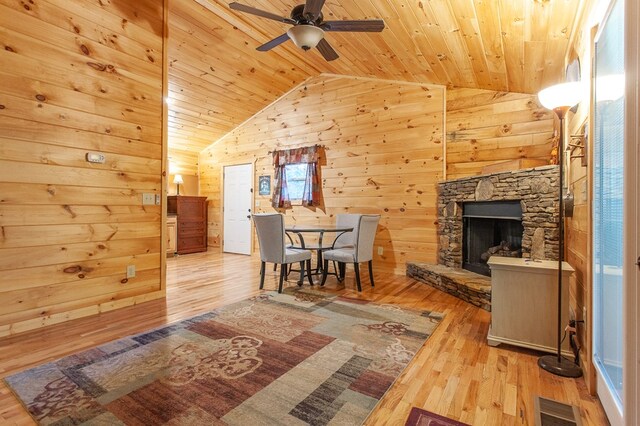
x: 420, y: 417
x: 297, y: 358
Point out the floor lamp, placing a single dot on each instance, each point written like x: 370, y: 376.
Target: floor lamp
x: 560, y: 98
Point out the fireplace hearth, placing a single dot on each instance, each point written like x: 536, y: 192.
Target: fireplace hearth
x: 490, y: 228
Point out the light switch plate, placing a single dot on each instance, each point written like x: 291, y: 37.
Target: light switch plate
x: 131, y: 271
x: 148, y: 199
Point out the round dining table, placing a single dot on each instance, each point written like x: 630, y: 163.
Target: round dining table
x: 319, y: 230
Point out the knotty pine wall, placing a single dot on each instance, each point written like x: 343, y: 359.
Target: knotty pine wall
x: 78, y: 76
x: 383, y: 155
x: 486, y: 127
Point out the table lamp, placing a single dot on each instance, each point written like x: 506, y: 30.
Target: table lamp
x: 177, y: 180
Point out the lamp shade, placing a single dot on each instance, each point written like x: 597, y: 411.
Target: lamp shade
x: 177, y: 179
x: 561, y: 95
x: 305, y: 36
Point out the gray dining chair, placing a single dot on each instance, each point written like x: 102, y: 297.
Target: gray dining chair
x: 346, y: 239
x: 273, y: 249
x: 362, y: 250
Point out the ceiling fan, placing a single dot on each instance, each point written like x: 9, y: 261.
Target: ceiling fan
x: 309, y: 27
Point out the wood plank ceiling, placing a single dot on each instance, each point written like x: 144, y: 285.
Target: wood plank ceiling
x: 217, y: 79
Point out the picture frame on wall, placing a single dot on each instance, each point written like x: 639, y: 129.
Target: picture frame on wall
x: 264, y: 185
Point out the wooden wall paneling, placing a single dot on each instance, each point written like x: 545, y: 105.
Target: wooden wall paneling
x: 106, y: 25
x: 383, y: 154
x: 39, y: 153
x: 80, y: 77
x: 109, y: 31
x: 39, y: 39
x: 69, y: 98
x: 61, y: 75
x: 71, y: 254
x: 487, y: 127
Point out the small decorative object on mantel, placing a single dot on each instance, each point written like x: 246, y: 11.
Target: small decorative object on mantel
x: 264, y: 185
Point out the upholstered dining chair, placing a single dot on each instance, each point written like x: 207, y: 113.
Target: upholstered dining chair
x: 273, y: 249
x: 346, y: 239
x: 362, y: 250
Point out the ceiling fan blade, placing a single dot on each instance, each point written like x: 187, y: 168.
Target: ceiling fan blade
x: 312, y: 8
x: 326, y: 50
x: 263, y: 14
x: 367, y: 25
x: 273, y: 43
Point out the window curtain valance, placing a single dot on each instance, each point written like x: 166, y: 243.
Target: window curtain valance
x: 307, y: 155
x: 311, y: 194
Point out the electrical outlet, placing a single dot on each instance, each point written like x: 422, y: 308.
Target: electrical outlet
x: 380, y: 251
x: 157, y: 199
x: 148, y: 199
x: 257, y: 203
x: 131, y: 271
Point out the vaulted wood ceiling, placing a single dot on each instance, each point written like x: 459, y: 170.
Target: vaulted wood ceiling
x: 217, y: 79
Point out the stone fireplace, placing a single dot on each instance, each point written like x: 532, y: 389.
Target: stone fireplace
x: 518, y: 208
x: 506, y: 214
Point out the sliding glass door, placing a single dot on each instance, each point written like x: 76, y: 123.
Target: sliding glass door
x: 608, y: 208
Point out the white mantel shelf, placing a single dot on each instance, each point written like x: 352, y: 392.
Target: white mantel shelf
x: 524, y: 299
x: 528, y: 265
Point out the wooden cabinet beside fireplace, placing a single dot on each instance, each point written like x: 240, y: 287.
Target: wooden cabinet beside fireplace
x: 524, y: 303
x: 192, y: 222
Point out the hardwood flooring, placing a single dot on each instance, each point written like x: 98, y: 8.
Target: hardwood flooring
x: 455, y: 374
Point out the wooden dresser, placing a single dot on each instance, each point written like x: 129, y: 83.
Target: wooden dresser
x: 192, y: 222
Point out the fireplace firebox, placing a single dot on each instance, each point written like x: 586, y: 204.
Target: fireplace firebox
x: 490, y: 228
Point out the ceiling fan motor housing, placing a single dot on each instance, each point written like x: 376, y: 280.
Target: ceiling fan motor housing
x: 297, y: 14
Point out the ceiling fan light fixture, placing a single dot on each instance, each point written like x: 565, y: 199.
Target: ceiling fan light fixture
x: 305, y: 36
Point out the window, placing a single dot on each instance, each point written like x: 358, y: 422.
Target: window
x: 296, y: 176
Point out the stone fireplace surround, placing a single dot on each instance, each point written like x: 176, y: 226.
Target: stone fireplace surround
x: 537, y: 191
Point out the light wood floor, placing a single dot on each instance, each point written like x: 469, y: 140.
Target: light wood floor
x: 455, y: 374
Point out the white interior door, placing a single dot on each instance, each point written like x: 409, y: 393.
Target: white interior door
x: 238, y: 197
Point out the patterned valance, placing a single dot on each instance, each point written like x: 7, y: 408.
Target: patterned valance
x: 307, y: 154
